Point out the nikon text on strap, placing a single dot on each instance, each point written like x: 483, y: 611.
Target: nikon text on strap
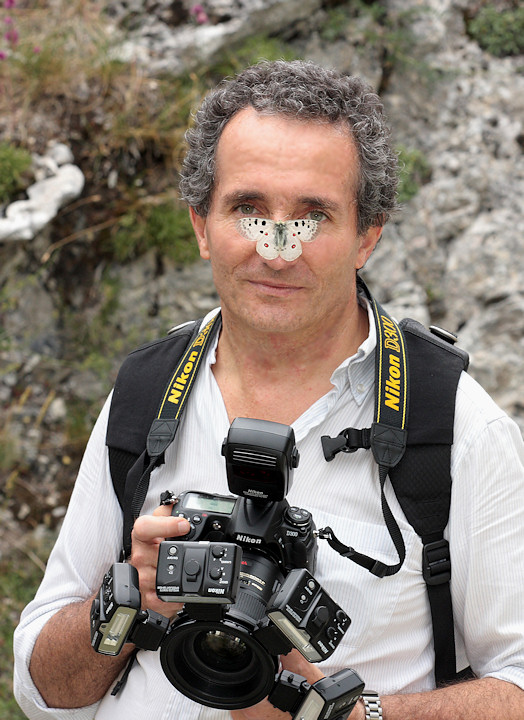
x: 164, y: 427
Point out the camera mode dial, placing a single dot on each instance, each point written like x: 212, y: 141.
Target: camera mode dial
x: 298, y: 516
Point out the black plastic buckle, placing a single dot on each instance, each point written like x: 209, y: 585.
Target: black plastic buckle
x: 349, y: 441
x: 436, y: 562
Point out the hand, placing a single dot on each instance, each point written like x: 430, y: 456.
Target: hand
x: 148, y: 532
x: 294, y: 662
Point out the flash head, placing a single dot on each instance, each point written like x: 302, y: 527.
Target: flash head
x: 260, y: 458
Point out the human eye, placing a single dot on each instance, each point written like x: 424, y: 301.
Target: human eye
x: 246, y: 209
x: 317, y: 215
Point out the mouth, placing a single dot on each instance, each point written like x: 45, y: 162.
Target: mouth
x: 273, y: 287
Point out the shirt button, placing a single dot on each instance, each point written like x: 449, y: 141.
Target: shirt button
x: 361, y: 388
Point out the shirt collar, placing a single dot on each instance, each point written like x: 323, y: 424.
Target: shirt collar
x: 358, y: 370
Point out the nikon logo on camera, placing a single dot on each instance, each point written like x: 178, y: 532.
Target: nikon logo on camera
x: 248, y: 539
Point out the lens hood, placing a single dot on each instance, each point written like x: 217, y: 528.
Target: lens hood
x: 218, y: 664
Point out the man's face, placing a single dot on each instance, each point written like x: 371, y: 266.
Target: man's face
x: 280, y: 168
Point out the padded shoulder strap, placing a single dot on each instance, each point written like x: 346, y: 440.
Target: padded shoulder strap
x: 422, y: 479
x: 138, y: 391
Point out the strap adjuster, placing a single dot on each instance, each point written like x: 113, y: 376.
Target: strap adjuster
x: 436, y: 562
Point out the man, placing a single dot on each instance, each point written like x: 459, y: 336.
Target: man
x: 289, y: 148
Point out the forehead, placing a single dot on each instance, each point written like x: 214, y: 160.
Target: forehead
x: 286, y: 151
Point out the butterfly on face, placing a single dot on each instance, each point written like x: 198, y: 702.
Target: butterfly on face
x: 278, y: 239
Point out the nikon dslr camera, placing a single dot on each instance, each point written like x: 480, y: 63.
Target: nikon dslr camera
x: 245, y: 572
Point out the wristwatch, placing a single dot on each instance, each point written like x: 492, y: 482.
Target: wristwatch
x: 372, y: 704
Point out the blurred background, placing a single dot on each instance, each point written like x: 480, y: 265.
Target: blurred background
x: 96, y: 251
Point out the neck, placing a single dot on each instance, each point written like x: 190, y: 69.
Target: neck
x: 277, y: 376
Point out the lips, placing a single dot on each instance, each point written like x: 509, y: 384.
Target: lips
x: 275, y: 287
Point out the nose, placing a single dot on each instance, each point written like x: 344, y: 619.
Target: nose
x: 279, y: 263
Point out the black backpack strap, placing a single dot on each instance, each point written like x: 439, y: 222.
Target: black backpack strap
x: 148, y: 400
x: 420, y: 474
x: 422, y: 479
x: 136, y: 397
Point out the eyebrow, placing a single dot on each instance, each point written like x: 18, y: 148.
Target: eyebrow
x: 242, y: 196
x: 319, y: 202
x: 248, y: 196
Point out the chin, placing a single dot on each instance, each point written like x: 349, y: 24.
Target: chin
x: 274, y: 321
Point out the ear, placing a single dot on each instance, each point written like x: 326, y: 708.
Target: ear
x: 199, y: 226
x: 367, y: 243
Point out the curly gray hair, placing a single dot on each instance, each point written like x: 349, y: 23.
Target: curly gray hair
x: 306, y: 91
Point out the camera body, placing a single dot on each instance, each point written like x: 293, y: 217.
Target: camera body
x: 283, y: 533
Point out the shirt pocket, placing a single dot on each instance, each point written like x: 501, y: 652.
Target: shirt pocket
x: 370, y: 602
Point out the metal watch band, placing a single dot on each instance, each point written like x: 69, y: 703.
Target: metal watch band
x: 372, y: 704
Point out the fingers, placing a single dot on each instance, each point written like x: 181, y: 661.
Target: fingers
x: 148, y: 532
x: 152, y: 529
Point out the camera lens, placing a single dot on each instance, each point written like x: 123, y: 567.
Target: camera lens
x: 217, y: 664
x: 220, y: 663
x: 221, y: 651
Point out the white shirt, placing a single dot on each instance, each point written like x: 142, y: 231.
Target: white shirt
x: 389, y: 642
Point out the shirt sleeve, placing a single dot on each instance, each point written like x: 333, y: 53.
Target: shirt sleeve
x: 486, y: 532
x: 89, y: 542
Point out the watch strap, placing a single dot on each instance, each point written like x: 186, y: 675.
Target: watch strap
x: 372, y: 704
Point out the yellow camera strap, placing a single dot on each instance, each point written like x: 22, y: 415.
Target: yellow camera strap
x: 165, y: 425
x: 387, y: 436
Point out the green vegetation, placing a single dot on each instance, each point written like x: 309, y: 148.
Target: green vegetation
x: 14, y: 162
x: 415, y: 171
x: 21, y: 573
x: 165, y: 228
x: 499, y: 31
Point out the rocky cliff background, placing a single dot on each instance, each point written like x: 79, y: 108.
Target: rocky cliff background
x: 96, y: 254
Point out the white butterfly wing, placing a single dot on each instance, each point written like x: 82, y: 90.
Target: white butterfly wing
x: 292, y: 249
x: 267, y: 249
x: 303, y: 230
x: 255, y: 228
x: 298, y: 231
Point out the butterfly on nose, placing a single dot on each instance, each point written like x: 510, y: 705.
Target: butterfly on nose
x: 278, y: 239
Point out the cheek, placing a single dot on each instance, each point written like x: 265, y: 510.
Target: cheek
x: 229, y: 253
x: 330, y: 255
